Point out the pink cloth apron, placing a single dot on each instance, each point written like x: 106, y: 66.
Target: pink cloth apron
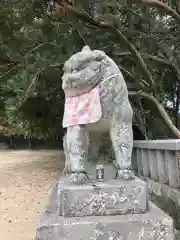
x: 82, y: 109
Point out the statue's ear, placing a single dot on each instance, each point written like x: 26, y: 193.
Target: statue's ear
x: 65, y: 67
x: 86, y: 49
x: 98, y: 55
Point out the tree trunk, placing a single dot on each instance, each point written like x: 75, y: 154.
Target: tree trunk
x: 11, y: 142
x: 177, y: 106
x: 31, y: 143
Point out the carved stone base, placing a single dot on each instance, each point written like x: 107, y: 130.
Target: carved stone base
x: 78, y: 178
x: 111, y: 197
x: 125, y: 175
x: 153, y: 225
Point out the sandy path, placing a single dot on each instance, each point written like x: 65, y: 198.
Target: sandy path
x: 26, y: 179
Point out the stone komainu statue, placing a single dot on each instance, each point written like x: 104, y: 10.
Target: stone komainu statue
x: 94, y: 72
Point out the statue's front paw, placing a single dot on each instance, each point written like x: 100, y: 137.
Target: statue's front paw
x: 78, y: 178
x: 125, y: 174
x: 66, y: 171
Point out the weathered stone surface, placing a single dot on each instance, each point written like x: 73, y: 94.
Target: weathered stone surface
x: 166, y: 198
x: 53, y: 206
x: 85, y: 72
x: 112, y: 197
x: 153, y: 225
x: 164, y: 144
x: 163, y: 158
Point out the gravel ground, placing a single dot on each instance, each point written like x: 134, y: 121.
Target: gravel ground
x: 26, y: 179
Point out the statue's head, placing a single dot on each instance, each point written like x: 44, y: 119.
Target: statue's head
x: 82, y: 69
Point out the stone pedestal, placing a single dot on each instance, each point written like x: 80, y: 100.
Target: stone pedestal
x: 113, y: 210
x: 113, y: 197
x: 153, y: 225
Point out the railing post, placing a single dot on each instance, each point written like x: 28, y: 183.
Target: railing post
x: 139, y: 160
x: 159, y: 160
x: 173, y: 169
x: 153, y: 164
x: 162, y: 166
x: 145, y: 163
x: 134, y: 160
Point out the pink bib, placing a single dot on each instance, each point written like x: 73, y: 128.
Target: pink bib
x: 82, y: 109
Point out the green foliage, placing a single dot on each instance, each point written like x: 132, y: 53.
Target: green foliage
x: 36, y: 40
x: 31, y: 43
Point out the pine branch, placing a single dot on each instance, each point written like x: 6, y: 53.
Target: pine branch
x: 177, y: 6
x: 22, y: 62
x: 161, y: 110
x: 110, y: 27
x: 29, y: 90
x: 8, y: 61
x: 136, y: 53
x: 163, y: 6
x: 145, y: 55
x: 9, y: 71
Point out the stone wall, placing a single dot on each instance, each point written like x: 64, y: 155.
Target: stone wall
x: 158, y: 163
